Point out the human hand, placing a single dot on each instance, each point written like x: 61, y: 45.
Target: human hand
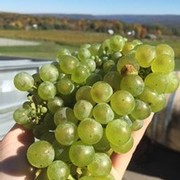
x: 14, y: 164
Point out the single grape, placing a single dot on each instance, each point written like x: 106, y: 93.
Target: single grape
x: 101, y: 92
x: 124, y: 148
x: 90, y: 64
x: 164, y: 49
x: 145, y: 54
x: 163, y: 64
x: 157, y: 82
x: 90, y: 131
x: 103, y: 113
x: 80, y: 74
x: 141, y: 110
x: 101, y: 165
x: 173, y: 82
x: 55, y: 103
x: 48, y: 72
x: 21, y: 116
x: 128, y: 61
x: 122, y: 129
x: 82, y: 109
x: 62, y: 52
x: 65, y: 86
x: 122, y: 102
x: 117, y: 43
x: 23, y: 81
x: 81, y: 154
x: 133, y: 84
x: 84, y: 93
x: 46, y: 90
x: 66, y: 133
x: 63, y: 115
x: 84, y: 54
x: 40, y: 154
x: 68, y: 63
x: 129, y: 46
x: 58, y: 170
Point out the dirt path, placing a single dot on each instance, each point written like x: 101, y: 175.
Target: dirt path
x: 16, y: 42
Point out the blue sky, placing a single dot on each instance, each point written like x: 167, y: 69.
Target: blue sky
x: 92, y: 6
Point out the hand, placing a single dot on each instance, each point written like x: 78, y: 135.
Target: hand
x: 15, y: 166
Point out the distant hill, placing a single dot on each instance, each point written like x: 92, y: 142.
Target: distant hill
x: 168, y: 20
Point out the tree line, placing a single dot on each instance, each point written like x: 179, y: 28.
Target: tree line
x: 29, y: 22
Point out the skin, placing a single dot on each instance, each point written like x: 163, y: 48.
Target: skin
x: 13, y: 147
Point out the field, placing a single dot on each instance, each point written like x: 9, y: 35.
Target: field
x: 52, y: 40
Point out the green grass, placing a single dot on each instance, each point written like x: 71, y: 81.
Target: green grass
x: 51, y: 41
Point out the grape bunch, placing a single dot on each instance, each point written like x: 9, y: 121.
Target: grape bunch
x: 84, y: 106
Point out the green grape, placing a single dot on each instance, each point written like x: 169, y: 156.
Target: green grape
x: 132, y: 83
x: 122, y: 129
x: 82, y: 109
x: 58, y: 170
x: 23, y: 81
x: 90, y: 64
x: 21, y: 116
x: 84, y: 54
x: 101, y: 92
x: 128, y: 61
x: 141, y: 110
x: 124, y: 148
x: 156, y: 81
x: 117, y: 43
x: 68, y: 63
x: 94, y: 48
x: 48, y: 72
x: 54, y: 104
x: 122, y: 102
x: 46, y: 90
x: 63, y: 115
x: 61, y: 53
x: 136, y: 42
x: 103, y: 113
x: 173, y: 82
x: 129, y: 46
x: 113, y: 78
x: 108, y: 65
x: 65, y: 86
x: 103, y: 145
x: 80, y: 74
x: 163, y: 64
x: 159, y: 103
x: 164, y: 49
x: 115, y: 56
x: 136, y: 124
x: 66, y: 133
x: 84, y: 93
x: 90, y: 131
x: 101, y: 165
x: 105, y: 47
x: 145, y: 54
x: 40, y: 154
x: 81, y: 154
x: 93, y: 78
x: 148, y: 95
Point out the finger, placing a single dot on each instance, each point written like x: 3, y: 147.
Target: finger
x: 121, y: 161
x: 14, y: 164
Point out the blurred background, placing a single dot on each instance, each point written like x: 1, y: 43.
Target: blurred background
x: 32, y: 32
